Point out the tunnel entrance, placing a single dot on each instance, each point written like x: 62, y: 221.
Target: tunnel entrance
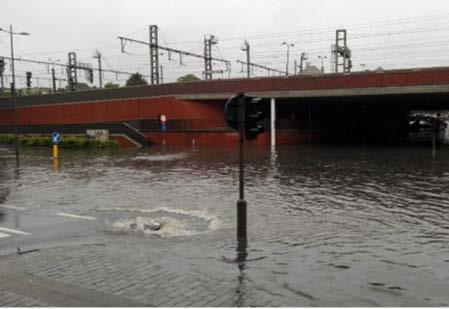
x: 425, y: 126
x: 359, y: 119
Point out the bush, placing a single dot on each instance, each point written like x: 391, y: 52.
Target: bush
x: 6, y: 139
x: 67, y: 142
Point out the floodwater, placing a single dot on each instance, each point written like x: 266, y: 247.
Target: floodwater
x: 327, y: 225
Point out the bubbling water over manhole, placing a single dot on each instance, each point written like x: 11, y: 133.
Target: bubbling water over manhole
x: 173, y: 222
x: 161, y: 157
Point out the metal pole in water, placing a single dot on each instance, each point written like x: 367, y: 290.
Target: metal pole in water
x: 273, y: 122
x: 434, y: 143
x: 241, y: 203
x: 310, y: 124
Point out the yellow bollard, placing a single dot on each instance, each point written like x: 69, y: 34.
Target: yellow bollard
x: 55, y: 151
x: 55, y: 164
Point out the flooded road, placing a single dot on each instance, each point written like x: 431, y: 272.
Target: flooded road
x: 327, y: 225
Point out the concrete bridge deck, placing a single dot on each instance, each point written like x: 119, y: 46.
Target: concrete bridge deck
x: 372, y: 83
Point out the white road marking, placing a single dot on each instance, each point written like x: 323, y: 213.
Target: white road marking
x: 12, y: 207
x: 4, y: 229
x: 76, y: 216
x: 4, y: 235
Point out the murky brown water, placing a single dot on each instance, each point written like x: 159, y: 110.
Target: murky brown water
x: 326, y: 225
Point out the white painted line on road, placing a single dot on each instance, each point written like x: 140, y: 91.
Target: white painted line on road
x: 76, y: 216
x: 4, y: 235
x: 12, y: 207
x: 4, y: 229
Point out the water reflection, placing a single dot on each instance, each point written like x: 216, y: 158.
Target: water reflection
x: 55, y: 165
x: 4, y: 193
x: 241, y: 260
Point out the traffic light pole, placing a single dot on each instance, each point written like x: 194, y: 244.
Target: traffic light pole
x: 242, y: 113
x: 241, y: 203
x: 14, y: 100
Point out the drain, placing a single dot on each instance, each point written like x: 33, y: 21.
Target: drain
x: 164, y: 222
x: 141, y: 225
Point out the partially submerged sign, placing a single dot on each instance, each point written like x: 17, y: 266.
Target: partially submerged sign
x: 99, y: 135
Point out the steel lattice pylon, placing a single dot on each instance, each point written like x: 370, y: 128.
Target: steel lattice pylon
x: 154, y: 54
x: 342, y: 54
x: 71, y: 72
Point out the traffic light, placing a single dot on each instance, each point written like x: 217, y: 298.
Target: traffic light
x: 253, y: 117
x: 232, y: 111
x: 2, y: 65
x: 29, y: 79
x: 252, y: 114
x: 91, y: 75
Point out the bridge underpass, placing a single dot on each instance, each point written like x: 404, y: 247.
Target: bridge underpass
x: 356, y: 107
x: 354, y: 119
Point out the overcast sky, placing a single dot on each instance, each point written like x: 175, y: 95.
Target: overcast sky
x: 392, y: 34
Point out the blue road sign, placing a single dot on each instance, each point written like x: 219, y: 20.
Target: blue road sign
x: 55, y: 138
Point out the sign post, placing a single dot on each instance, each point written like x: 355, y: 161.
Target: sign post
x: 55, y: 138
x: 163, y: 120
x: 163, y: 126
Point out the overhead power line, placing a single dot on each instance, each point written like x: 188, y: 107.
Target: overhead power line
x: 255, y: 65
x: 172, y: 50
x: 209, y: 41
x: 66, y: 65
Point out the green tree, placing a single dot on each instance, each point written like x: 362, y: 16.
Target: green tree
x: 109, y: 85
x: 187, y: 78
x: 136, y: 79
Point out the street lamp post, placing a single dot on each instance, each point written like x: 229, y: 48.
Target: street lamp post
x: 289, y: 45
x: 13, y: 90
x: 322, y: 62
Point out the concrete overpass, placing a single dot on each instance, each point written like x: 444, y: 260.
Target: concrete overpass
x: 338, y: 105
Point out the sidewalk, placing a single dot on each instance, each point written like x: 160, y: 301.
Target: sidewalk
x: 99, y: 275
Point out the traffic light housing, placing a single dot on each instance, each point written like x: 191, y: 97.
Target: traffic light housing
x: 2, y: 65
x: 28, y: 75
x: 232, y: 111
x: 252, y: 115
x: 253, y: 118
x: 90, y: 74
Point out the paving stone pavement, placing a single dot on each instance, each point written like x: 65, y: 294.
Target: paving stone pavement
x: 79, y: 275
x: 10, y: 299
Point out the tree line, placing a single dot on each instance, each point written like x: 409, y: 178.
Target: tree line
x: 137, y: 79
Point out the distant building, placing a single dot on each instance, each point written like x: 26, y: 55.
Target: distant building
x: 311, y: 70
x: 379, y: 70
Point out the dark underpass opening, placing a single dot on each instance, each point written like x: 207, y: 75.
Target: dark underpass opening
x: 364, y: 119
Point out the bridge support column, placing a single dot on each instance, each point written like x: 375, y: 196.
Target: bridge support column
x: 273, y: 122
